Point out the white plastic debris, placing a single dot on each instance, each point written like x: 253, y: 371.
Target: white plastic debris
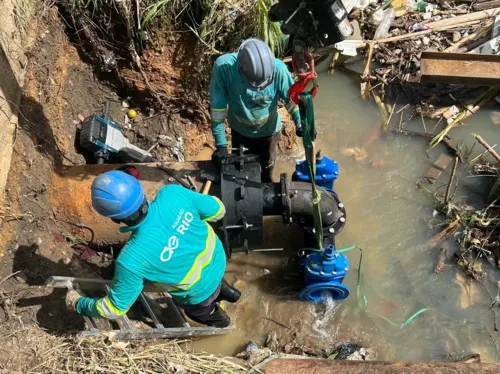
x: 348, y: 47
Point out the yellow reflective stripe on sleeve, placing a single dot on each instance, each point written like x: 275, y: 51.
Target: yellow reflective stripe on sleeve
x: 201, y: 262
x: 220, y: 213
x: 107, y: 310
x: 218, y: 114
x: 291, y: 108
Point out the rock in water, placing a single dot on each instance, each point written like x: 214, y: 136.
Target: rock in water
x: 495, y: 117
x: 359, y: 154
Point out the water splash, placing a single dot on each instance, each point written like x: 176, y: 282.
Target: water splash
x: 324, y: 315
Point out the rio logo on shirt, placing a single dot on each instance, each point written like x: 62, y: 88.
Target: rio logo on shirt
x: 181, y: 225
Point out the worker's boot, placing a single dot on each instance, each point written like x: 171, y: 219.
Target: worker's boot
x: 218, y: 318
x: 228, y: 293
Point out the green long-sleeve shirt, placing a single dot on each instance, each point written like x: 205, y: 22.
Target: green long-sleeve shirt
x: 253, y: 114
x: 174, y: 246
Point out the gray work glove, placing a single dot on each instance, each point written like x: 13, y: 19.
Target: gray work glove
x: 72, y: 298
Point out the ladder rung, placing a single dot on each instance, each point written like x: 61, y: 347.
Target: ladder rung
x: 172, y: 305
x: 127, y: 330
x: 145, y: 303
x: 124, y: 323
x: 90, y: 323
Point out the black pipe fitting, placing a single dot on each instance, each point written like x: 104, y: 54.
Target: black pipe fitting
x: 301, y: 208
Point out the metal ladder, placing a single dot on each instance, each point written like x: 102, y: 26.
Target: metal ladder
x: 127, y: 331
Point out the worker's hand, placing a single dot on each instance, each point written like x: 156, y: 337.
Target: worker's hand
x: 299, y: 130
x: 72, y: 298
x: 219, y: 154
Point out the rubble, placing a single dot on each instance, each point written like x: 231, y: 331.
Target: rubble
x: 395, y: 34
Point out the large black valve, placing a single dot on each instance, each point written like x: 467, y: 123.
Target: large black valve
x: 247, y: 201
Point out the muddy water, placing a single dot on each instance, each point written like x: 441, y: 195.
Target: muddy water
x: 391, y: 220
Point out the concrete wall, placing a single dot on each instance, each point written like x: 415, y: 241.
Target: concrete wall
x: 15, y: 16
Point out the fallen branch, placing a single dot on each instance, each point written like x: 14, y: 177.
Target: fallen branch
x: 459, y: 20
x: 474, y: 358
x: 446, y: 140
x: 441, y: 262
x: 450, y: 183
x: 424, y: 32
x: 487, y: 146
x: 365, y: 83
x: 487, y: 5
x: 482, y: 100
x: 437, y: 239
x: 474, y: 36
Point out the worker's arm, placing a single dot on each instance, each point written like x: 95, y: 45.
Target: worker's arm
x: 284, y: 82
x: 210, y: 208
x: 124, y: 291
x: 218, y: 103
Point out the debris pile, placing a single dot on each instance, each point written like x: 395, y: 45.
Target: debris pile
x: 396, y: 33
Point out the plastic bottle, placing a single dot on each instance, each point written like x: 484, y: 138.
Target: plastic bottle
x: 422, y: 6
x: 385, y: 23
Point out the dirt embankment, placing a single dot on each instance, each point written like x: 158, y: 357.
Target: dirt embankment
x: 62, y: 87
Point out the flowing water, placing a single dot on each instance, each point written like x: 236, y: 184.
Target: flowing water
x: 390, y: 219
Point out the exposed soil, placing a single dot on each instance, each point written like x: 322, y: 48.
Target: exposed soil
x: 60, y: 89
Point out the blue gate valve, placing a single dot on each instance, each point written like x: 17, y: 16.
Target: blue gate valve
x: 324, y: 272
x: 327, y: 171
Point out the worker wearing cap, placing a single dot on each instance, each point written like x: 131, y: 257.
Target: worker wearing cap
x: 171, y: 244
x: 245, y: 88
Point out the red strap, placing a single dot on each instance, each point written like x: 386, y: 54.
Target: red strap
x: 303, y: 80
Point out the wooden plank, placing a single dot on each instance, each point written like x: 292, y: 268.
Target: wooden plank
x: 437, y: 168
x: 487, y: 5
x: 165, y: 333
x: 460, y: 68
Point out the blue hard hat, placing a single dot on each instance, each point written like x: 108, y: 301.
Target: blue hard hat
x: 116, y: 194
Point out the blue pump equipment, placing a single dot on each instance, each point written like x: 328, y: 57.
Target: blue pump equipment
x: 324, y: 270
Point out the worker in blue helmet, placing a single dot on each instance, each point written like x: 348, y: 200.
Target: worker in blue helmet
x: 245, y: 89
x: 171, y: 244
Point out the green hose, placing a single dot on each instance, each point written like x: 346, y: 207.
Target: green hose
x: 365, y: 299
x: 307, y: 115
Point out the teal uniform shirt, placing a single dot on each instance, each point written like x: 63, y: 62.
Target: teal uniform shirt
x: 173, y: 246
x: 253, y: 114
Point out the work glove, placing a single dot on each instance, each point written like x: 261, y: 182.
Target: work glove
x: 299, y: 130
x: 72, y: 298
x: 219, y: 154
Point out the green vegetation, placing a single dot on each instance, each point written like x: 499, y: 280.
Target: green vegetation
x: 220, y: 25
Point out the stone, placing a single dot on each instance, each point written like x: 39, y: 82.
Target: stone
x: 240, y: 284
x: 21, y: 277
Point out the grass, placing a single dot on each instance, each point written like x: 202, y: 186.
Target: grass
x: 154, y: 10
x: 223, y: 25
x: 269, y: 32
x: 32, y: 350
